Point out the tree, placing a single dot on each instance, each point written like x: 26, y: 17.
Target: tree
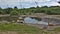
x: 14, y: 12
x: 44, y: 7
x: 38, y: 7
x: 49, y: 12
x: 15, y: 8
x: 32, y: 7
x: 7, y: 10
x: 0, y: 10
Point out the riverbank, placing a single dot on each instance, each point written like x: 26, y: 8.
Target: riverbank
x: 16, y: 28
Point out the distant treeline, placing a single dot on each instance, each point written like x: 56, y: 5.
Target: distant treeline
x: 53, y: 10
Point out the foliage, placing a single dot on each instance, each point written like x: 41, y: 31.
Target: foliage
x: 21, y: 28
x: 53, y: 10
x: 14, y: 13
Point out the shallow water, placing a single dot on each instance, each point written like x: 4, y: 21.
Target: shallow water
x: 34, y: 21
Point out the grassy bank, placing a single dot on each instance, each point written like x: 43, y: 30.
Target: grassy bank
x: 25, y: 29
x: 20, y: 28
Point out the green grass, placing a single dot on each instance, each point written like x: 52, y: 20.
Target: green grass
x: 57, y: 29
x: 25, y: 29
x: 20, y: 28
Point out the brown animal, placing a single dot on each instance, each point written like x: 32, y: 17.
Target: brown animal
x: 50, y: 24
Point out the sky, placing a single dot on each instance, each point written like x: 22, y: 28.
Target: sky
x: 27, y: 3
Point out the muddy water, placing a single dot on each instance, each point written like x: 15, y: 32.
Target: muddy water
x: 34, y: 21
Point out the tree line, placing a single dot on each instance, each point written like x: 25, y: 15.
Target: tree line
x: 52, y: 10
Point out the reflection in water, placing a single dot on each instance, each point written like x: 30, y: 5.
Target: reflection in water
x: 34, y: 21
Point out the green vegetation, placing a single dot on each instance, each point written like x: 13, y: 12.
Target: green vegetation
x: 26, y: 29
x: 53, y: 10
x: 20, y: 28
x: 57, y: 29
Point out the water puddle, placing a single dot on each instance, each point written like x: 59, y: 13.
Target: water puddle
x: 34, y: 21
